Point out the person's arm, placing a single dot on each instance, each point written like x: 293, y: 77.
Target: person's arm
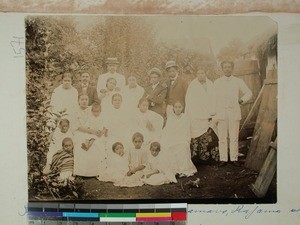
x: 247, y: 93
x: 152, y: 173
x: 158, y: 98
x: 138, y: 168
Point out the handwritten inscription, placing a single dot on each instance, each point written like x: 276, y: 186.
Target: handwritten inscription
x: 17, y: 44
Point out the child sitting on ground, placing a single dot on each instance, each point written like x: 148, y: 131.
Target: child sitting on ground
x: 63, y: 161
x: 156, y: 171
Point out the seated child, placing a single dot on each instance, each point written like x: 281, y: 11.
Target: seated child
x: 137, y: 161
x: 62, y: 131
x: 156, y: 171
x: 116, y: 165
x: 63, y: 161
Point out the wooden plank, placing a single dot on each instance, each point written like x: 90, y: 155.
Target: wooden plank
x: 266, y: 174
x: 264, y: 128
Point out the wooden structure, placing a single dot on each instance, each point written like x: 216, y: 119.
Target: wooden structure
x: 267, y: 172
x: 264, y: 127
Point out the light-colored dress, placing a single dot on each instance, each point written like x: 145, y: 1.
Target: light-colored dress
x: 56, y: 142
x: 86, y: 163
x: 131, y: 97
x: 165, y: 175
x: 62, y: 99
x: 175, y: 143
x: 136, y: 158
x: 139, y: 124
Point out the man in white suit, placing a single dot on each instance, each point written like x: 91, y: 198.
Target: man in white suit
x: 112, y: 66
x: 228, y: 111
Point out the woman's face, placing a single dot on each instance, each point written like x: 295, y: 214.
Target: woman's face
x: 83, y: 101
x: 67, y: 83
x: 178, y: 108
x: 201, y: 75
x: 131, y: 82
x: 144, y: 106
x: 111, y: 85
x: 116, y: 102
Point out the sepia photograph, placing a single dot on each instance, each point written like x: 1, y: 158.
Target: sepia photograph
x: 151, y: 108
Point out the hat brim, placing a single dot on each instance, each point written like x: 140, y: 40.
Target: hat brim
x: 171, y: 67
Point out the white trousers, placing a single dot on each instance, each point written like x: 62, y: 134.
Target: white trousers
x: 230, y: 127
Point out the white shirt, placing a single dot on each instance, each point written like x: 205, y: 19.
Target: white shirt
x: 227, y: 97
x: 155, y: 85
x: 101, y: 84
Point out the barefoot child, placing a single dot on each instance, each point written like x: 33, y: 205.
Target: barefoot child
x: 156, y: 171
x: 63, y: 161
x: 137, y: 161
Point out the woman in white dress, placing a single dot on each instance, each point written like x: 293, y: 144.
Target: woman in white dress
x: 147, y: 122
x: 64, y: 97
x: 175, y: 141
x: 132, y: 94
x: 106, y: 95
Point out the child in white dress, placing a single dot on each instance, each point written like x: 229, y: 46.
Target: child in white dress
x: 116, y: 165
x: 137, y: 162
x: 176, y: 142
x: 62, y: 131
x: 157, y: 171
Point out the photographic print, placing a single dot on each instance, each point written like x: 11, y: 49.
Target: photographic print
x: 151, y: 108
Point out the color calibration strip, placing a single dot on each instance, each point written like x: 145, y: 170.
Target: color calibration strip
x: 141, y: 213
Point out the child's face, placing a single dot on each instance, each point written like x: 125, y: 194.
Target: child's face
x: 178, y: 108
x: 137, y: 142
x: 96, y: 112
x: 64, y: 127
x: 111, y: 85
x: 68, y: 146
x: 154, y: 151
x: 116, y: 101
x: 67, y: 82
x: 119, y: 150
x: 144, y: 106
x: 83, y: 101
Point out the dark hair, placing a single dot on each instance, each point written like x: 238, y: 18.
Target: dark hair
x: 116, y: 94
x: 109, y: 79
x: 114, y: 146
x: 227, y: 61
x: 65, y: 140
x: 64, y: 121
x: 155, y: 145
x: 137, y: 135
x: 82, y: 94
x: 143, y: 100
x: 64, y: 75
x: 96, y: 105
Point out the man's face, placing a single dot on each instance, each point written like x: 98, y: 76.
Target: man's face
x: 85, y: 78
x: 227, y: 69
x: 154, y: 78
x: 172, y: 72
x: 112, y: 68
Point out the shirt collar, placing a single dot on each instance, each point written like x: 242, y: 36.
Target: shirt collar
x: 175, y: 78
x: 228, y: 78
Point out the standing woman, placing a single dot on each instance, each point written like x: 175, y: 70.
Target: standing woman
x: 200, y: 107
x: 106, y: 94
x: 64, y: 97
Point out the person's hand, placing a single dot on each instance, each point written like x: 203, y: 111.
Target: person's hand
x: 102, y: 91
x: 105, y: 132
x: 241, y: 101
x: 149, y: 175
x: 99, y: 133
x: 149, y: 126
x: 129, y: 173
x: 46, y: 169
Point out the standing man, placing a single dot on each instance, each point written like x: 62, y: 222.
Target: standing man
x: 86, y: 88
x: 177, y: 87
x: 112, y: 66
x: 156, y: 92
x: 228, y: 111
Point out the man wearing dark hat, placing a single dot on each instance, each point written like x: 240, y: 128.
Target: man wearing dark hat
x: 112, y: 66
x: 177, y: 86
x: 86, y: 88
x: 156, y: 92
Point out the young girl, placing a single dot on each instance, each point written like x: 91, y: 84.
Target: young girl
x: 62, y: 131
x: 176, y: 141
x: 63, y: 161
x: 64, y: 97
x: 137, y: 162
x: 147, y: 122
x: 116, y: 166
x: 106, y: 95
x: 157, y: 171
x: 86, y: 151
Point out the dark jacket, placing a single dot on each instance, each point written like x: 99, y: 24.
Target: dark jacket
x: 91, y: 92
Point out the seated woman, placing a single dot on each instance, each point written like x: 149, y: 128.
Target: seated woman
x: 157, y: 171
x: 176, y: 142
x: 147, y: 122
x: 63, y: 161
x: 87, y: 151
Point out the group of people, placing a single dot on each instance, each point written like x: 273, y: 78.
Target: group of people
x: 131, y: 136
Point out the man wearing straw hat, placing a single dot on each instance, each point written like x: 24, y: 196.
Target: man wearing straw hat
x: 156, y: 92
x: 177, y: 87
x: 228, y: 111
x: 112, y: 66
